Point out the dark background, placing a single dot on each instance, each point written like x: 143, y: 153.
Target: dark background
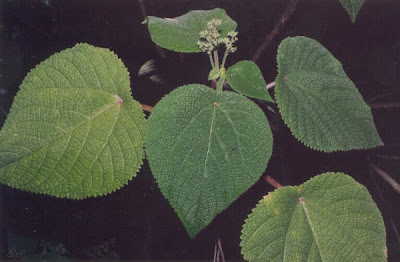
x: 136, y: 222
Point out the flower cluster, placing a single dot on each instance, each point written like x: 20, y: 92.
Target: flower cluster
x: 230, y: 40
x: 210, y: 38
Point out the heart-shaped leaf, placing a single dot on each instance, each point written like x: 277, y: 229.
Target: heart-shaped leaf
x: 352, y: 7
x: 73, y: 129
x: 206, y: 148
x: 181, y: 33
x: 331, y: 217
x: 246, y: 78
x: 317, y: 100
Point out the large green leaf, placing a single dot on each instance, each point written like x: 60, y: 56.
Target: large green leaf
x: 181, y: 33
x: 317, y: 100
x: 73, y: 129
x: 205, y: 148
x: 331, y: 217
x: 246, y: 78
x: 352, y: 7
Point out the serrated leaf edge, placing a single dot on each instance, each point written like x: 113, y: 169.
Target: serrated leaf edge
x: 193, y: 235
x: 277, y: 80
x: 140, y: 163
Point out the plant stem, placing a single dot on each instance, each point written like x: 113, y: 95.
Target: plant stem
x: 273, y: 182
x: 216, y: 59
x: 270, y: 85
x: 211, y: 60
x: 146, y: 108
x: 279, y: 25
x: 224, y: 58
x: 387, y: 178
x: 215, y: 253
x: 220, y: 84
x: 389, y: 157
x: 221, y: 80
x: 220, y: 250
x: 385, y: 105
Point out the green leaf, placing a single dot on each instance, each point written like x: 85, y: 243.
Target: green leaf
x: 206, y: 148
x: 317, y: 100
x: 214, y: 74
x: 352, y: 7
x: 331, y: 217
x: 246, y: 78
x: 181, y: 33
x: 73, y: 129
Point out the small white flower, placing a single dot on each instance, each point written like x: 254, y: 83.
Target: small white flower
x: 210, y: 38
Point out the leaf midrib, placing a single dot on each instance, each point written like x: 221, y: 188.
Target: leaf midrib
x: 303, y: 206
x: 209, y: 141
x: 337, y: 222
x: 333, y: 217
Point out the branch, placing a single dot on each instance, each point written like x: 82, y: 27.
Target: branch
x: 395, y: 231
x: 144, y: 14
x: 389, y: 157
x: 220, y: 250
x: 387, y: 178
x: 146, y: 108
x: 278, y: 27
x: 215, y: 253
x: 270, y: 85
x: 272, y: 182
x: 384, y: 105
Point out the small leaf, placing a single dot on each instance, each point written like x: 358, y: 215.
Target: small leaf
x: 181, y: 33
x: 331, y: 217
x: 214, y: 74
x: 246, y: 78
x: 73, y: 129
x: 352, y: 7
x: 317, y: 100
x: 205, y: 148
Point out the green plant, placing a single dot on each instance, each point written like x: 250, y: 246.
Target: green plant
x: 74, y: 131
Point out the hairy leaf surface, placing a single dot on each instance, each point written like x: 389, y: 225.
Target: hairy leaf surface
x: 181, y: 33
x: 246, y: 78
x: 352, y: 7
x: 331, y: 217
x: 317, y: 100
x: 73, y: 129
x: 206, y: 148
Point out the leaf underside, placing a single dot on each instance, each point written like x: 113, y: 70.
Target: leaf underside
x: 181, y: 33
x: 205, y: 148
x: 331, y: 217
x: 246, y: 78
x: 352, y: 7
x: 318, y: 102
x: 73, y: 130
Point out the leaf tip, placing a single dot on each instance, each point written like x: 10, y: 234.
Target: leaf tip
x: 192, y: 234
